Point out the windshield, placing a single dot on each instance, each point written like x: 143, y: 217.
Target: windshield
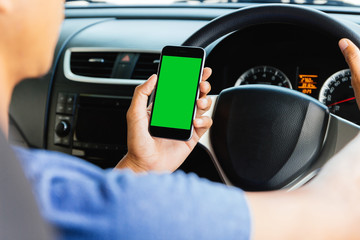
x: 135, y: 2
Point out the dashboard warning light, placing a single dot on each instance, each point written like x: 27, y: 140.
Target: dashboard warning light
x: 126, y: 58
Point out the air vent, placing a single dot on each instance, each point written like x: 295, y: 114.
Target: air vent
x: 146, y: 65
x: 93, y: 64
x: 109, y: 66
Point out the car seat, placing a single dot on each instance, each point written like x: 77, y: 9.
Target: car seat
x: 19, y: 214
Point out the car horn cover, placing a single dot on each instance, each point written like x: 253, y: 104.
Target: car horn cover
x: 266, y: 136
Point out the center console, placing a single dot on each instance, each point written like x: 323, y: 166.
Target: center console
x: 91, y: 125
x: 89, y: 101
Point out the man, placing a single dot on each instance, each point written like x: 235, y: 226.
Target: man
x: 85, y: 202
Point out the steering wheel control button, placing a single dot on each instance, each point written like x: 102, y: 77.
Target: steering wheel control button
x: 266, y: 136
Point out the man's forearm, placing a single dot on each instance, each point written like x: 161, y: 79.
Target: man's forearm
x: 300, y: 214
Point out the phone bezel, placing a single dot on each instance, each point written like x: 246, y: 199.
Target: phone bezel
x: 175, y: 133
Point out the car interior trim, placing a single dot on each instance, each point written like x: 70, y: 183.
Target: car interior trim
x: 52, y: 73
x: 205, y: 142
x: 117, y: 81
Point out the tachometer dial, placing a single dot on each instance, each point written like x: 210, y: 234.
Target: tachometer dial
x: 338, y: 94
x: 264, y: 75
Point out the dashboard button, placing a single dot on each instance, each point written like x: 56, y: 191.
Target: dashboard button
x: 61, y: 98
x: 62, y: 129
x: 69, y: 109
x: 57, y: 140
x: 66, y: 141
x: 70, y: 99
x: 60, y: 107
x: 77, y: 144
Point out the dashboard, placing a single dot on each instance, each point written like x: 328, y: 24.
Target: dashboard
x: 104, y: 52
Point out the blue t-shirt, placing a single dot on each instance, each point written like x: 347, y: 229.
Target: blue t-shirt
x: 83, y: 201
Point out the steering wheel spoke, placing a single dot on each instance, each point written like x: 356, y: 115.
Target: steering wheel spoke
x: 340, y: 132
x: 206, y: 144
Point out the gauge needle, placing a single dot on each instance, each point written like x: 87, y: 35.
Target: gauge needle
x: 342, y: 101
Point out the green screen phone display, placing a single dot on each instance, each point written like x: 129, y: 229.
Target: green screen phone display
x: 176, y: 92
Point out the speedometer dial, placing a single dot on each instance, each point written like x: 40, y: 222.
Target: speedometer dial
x: 338, y: 94
x: 264, y: 75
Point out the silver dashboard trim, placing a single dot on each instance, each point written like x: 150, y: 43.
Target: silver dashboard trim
x: 116, y: 81
x: 206, y: 143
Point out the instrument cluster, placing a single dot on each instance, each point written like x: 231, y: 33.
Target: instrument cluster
x: 335, y: 92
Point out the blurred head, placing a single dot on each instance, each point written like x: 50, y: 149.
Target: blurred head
x: 29, y: 32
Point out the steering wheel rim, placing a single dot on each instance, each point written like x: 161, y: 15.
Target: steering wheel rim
x: 339, y: 131
x: 270, y: 13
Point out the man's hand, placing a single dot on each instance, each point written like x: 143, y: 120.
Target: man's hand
x: 147, y: 153
x: 352, y: 57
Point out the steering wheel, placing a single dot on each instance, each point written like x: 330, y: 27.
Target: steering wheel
x: 267, y: 137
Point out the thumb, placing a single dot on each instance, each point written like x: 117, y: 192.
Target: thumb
x: 352, y: 56
x: 141, y: 94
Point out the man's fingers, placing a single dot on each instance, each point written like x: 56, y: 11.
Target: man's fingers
x: 352, y: 56
x: 351, y: 53
x: 202, y: 124
x: 205, y: 88
x: 206, y: 73
x: 203, y: 105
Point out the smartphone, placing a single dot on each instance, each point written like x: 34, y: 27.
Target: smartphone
x: 174, y: 98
